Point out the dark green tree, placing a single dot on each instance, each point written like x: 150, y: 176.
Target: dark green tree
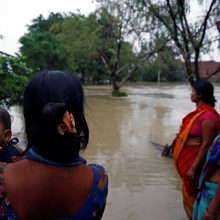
x: 14, y: 75
x: 66, y: 42
x: 123, y: 28
x: 162, y: 67
x: 40, y: 47
x: 79, y: 39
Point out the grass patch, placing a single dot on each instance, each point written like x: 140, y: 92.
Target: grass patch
x: 118, y: 94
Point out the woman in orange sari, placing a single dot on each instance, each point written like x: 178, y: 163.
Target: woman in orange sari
x: 196, y: 134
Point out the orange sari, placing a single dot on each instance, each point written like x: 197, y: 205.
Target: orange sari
x: 184, y: 156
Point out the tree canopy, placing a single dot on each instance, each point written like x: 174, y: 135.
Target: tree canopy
x: 120, y: 39
x: 40, y: 46
x: 14, y: 75
x: 146, y: 40
x: 190, y: 37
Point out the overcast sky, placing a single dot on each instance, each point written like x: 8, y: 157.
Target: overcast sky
x: 15, y: 15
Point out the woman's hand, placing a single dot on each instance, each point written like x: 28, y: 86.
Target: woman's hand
x: 191, y: 174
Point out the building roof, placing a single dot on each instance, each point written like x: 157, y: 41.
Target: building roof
x: 208, y: 67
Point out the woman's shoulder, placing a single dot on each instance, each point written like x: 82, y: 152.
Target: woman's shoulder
x: 209, y: 115
x: 100, y: 177
x: 96, y: 200
x: 97, y: 167
x: 213, y: 155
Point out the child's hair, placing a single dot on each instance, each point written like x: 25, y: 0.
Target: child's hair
x: 5, y: 118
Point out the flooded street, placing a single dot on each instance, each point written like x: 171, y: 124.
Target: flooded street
x: 142, y: 184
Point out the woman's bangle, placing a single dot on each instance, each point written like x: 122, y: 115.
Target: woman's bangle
x: 208, y: 214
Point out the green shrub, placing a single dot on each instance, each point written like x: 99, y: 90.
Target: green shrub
x: 116, y: 93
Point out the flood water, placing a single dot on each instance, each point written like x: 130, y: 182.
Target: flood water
x: 142, y: 184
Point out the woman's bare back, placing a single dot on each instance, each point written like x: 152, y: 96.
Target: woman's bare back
x: 35, y: 190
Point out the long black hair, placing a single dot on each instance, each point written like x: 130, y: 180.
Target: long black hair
x: 205, y: 89
x: 46, y: 97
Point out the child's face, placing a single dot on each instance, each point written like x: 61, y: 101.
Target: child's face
x: 5, y: 136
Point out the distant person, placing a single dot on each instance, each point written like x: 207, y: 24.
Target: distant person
x: 198, y: 130
x: 9, y: 151
x: 53, y: 181
x: 207, y: 205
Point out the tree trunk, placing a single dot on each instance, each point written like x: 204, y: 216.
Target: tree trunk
x: 158, y: 76
x: 115, y: 85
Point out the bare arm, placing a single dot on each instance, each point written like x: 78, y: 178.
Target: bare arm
x: 209, y: 132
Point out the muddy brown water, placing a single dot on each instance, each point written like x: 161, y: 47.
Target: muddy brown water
x: 142, y: 184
